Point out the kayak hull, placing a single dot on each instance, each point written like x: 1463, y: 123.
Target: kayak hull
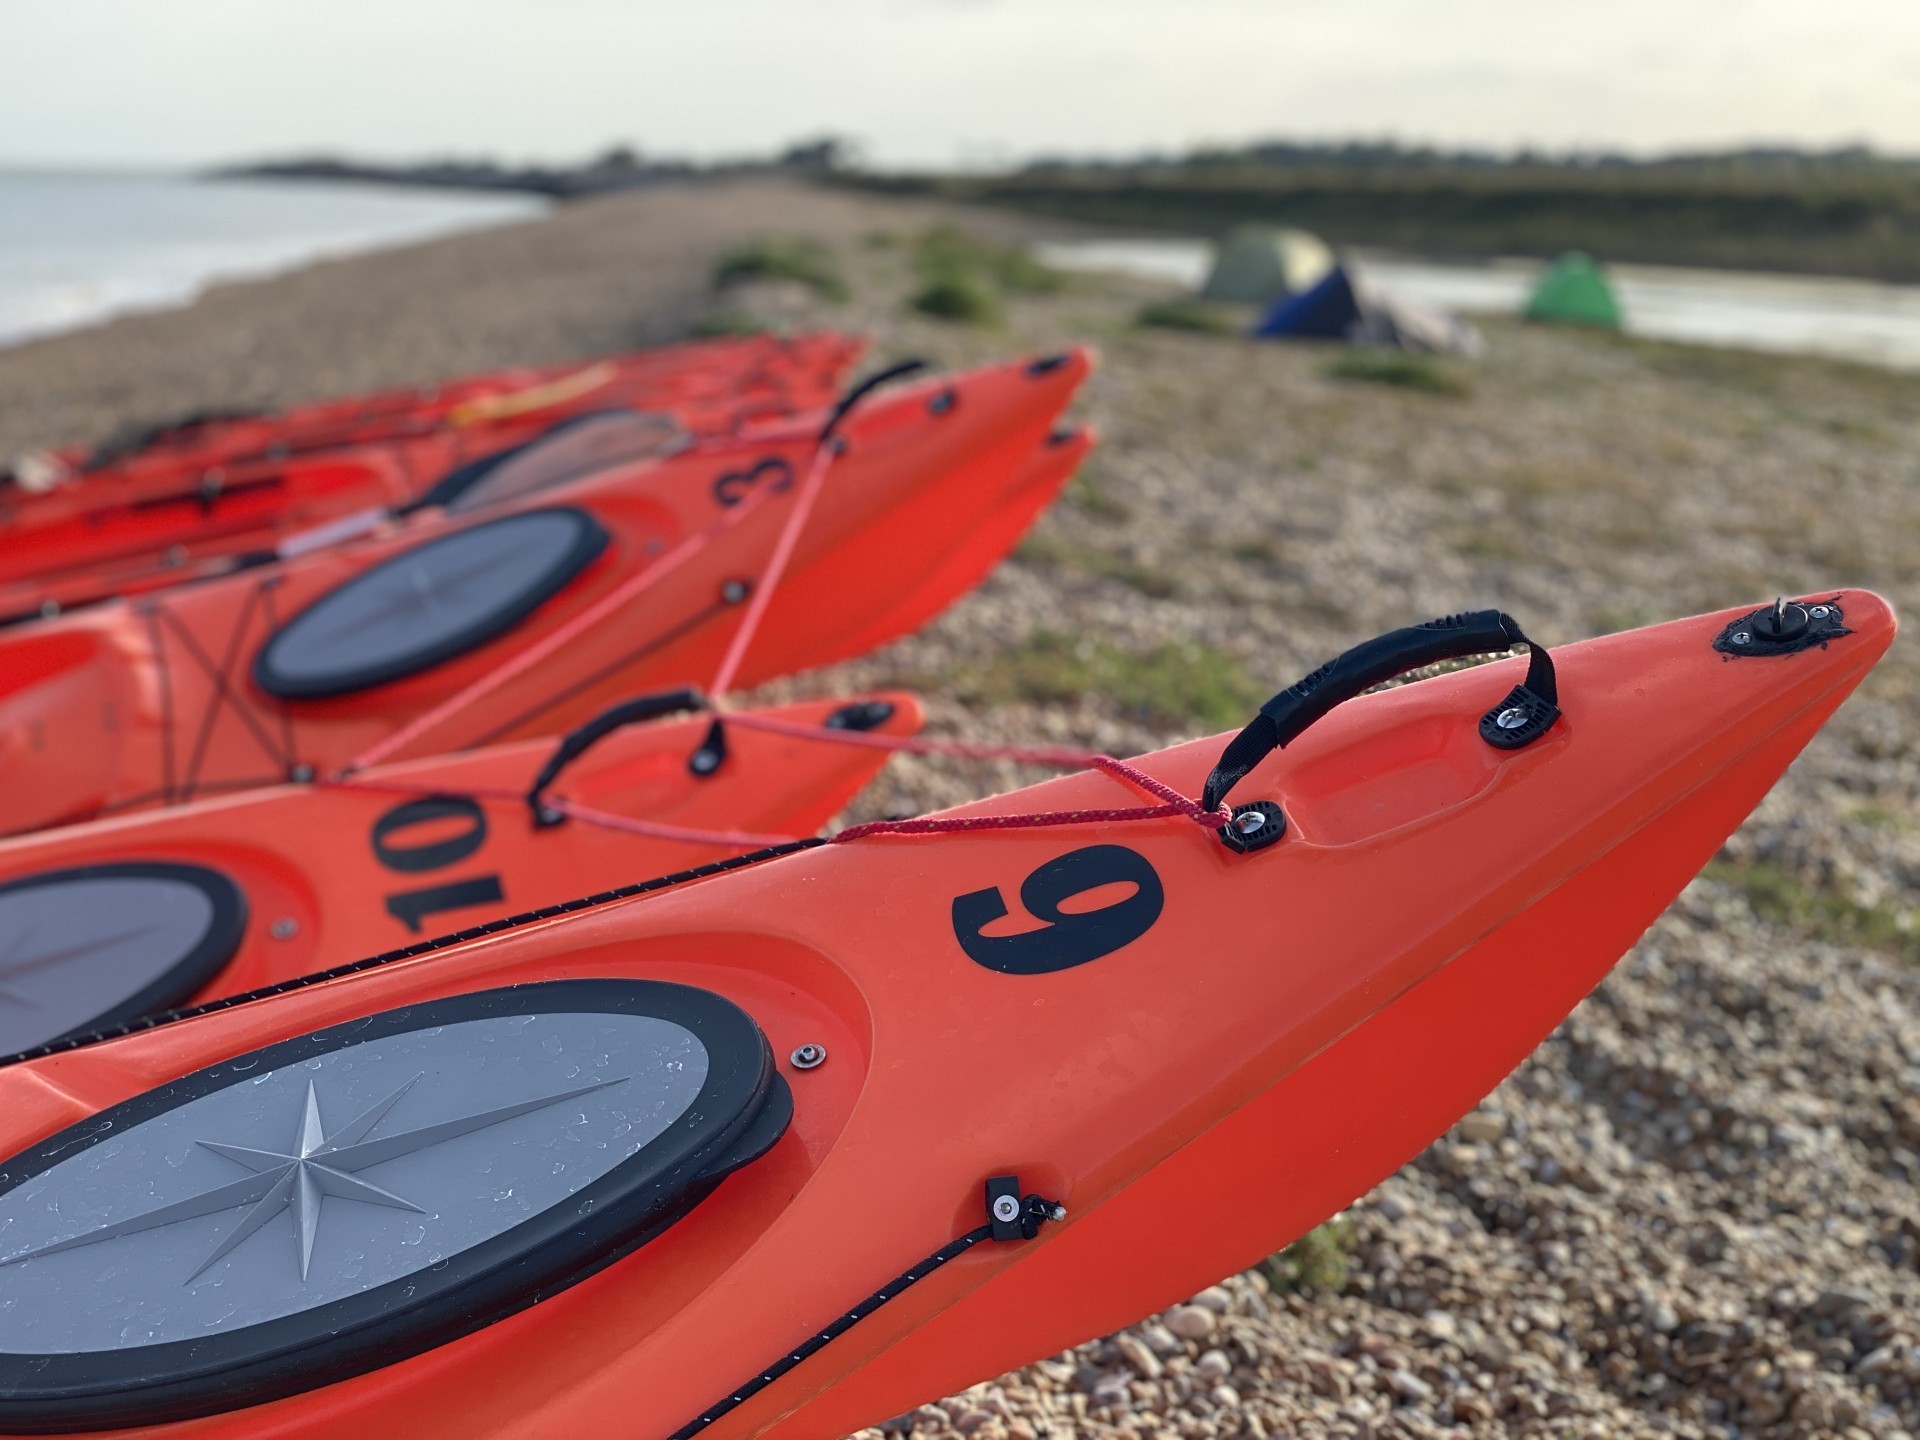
x: 1296, y: 1155
x: 133, y: 704
x: 227, y: 487
x: 1169, y: 1024
x: 329, y: 874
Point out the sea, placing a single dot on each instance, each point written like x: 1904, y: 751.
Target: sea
x: 1792, y: 314
x: 79, y: 249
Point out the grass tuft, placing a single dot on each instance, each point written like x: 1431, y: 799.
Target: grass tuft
x: 1486, y: 545
x: 1052, y: 554
x: 963, y: 277
x: 959, y: 296
x: 1260, y: 550
x: 805, y: 262
x: 1399, y: 369
x: 1092, y: 496
x: 1776, y: 894
x: 716, y: 323
x: 1321, y: 1259
x: 946, y: 249
x: 1171, y: 684
x: 1193, y: 316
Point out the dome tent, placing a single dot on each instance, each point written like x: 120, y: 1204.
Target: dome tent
x: 1263, y: 263
x: 1574, y: 291
x: 1349, y: 307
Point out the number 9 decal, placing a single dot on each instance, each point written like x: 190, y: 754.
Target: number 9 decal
x: 1067, y: 939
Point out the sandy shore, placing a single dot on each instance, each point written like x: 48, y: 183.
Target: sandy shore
x: 1694, y: 1211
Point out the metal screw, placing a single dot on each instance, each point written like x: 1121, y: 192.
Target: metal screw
x: 1511, y: 718
x: 1740, y: 637
x: 1006, y: 1209
x: 1821, y: 612
x: 734, y: 591
x: 704, y: 762
x: 285, y: 928
x: 300, y: 774
x: 1250, y: 823
x: 808, y: 1056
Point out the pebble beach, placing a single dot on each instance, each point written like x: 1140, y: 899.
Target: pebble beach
x: 1695, y: 1211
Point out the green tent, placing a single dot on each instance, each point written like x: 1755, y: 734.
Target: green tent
x: 1574, y: 292
x: 1259, y: 264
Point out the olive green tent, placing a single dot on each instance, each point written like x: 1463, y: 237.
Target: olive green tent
x: 1574, y: 292
x: 1259, y: 264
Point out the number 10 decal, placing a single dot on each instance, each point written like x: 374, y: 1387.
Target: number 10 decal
x: 1068, y: 938
x: 410, y: 907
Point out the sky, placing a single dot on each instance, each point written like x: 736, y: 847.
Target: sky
x: 939, y: 82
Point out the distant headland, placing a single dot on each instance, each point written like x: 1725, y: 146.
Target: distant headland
x: 618, y: 168
x: 1847, y: 211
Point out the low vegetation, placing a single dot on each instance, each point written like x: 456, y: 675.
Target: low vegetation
x: 1052, y: 554
x: 1857, y: 216
x: 1397, y: 368
x: 1194, y: 316
x: 716, y: 323
x: 1776, y: 894
x: 946, y: 249
x: 804, y: 262
x: 1090, y: 493
x: 958, y: 296
x: 1171, y: 684
x: 964, y: 278
x: 1318, y: 1260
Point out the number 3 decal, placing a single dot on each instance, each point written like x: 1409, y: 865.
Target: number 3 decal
x: 734, y: 486
x: 1067, y: 939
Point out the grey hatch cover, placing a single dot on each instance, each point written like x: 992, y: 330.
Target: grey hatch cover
x: 339, y: 1201
x: 429, y: 604
x: 93, y: 945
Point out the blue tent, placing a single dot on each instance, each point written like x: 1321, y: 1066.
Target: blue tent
x: 1350, y: 308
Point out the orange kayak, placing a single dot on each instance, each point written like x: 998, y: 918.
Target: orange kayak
x: 281, y: 882
x: 782, y: 1152
x: 211, y: 545
x: 238, y: 486
x: 630, y: 580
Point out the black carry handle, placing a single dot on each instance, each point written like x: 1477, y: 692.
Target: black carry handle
x: 865, y: 388
x: 1524, y: 716
x: 576, y: 742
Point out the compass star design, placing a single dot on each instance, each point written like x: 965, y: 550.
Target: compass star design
x: 298, y: 1179
x: 421, y: 593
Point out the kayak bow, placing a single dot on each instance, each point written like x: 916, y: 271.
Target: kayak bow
x: 332, y: 1211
